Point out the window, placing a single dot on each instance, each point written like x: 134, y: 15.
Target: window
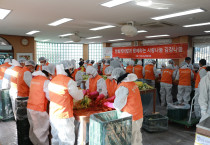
x: 56, y: 52
x: 202, y: 51
x: 95, y: 52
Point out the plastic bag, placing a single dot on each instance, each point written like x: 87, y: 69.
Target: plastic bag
x: 176, y: 105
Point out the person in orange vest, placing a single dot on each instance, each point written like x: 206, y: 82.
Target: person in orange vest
x: 13, y: 83
x: 43, y: 62
x: 62, y: 91
x: 128, y: 99
x: 111, y: 84
x: 167, y: 77
x: 37, y: 106
x: 98, y: 67
x: 3, y: 68
x: 86, y: 63
x: 150, y: 73
x: 129, y: 68
x: 175, y: 67
x: 195, y: 70
x: 95, y: 85
x: 22, y: 62
x: 184, y: 75
x: 107, y: 64
x: 138, y: 70
x: 201, y: 73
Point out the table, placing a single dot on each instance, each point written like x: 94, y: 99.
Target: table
x: 154, y: 96
x: 83, y: 117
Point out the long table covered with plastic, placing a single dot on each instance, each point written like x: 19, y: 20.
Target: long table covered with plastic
x: 82, y: 117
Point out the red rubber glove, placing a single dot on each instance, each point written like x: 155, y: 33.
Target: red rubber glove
x: 108, y: 104
x: 94, y: 94
x: 111, y: 99
x: 100, y: 97
x: 84, y: 92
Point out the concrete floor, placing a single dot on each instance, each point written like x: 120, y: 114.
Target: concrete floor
x: 176, y: 134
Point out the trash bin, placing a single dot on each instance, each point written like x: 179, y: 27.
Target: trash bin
x: 110, y: 128
x: 6, y: 106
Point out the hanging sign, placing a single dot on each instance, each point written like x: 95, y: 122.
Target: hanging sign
x: 107, y: 52
x: 151, y: 52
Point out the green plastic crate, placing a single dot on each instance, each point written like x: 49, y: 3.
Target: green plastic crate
x: 110, y: 128
x: 177, y: 114
x: 6, y: 106
x: 155, y: 123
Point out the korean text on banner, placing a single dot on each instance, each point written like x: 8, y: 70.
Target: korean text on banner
x: 148, y: 52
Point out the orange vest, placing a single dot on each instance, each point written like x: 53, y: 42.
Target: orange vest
x: 90, y: 65
x: 54, y: 74
x: 61, y: 102
x: 74, y: 74
x: 104, y: 67
x: 39, y: 67
x: 134, y: 104
x: 185, y: 77
x: 138, y: 71
x: 14, y: 76
x: 198, y: 78
x: 37, y: 100
x: 22, y: 87
x: 167, y: 76
x: 111, y: 87
x: 93, y: 83
x: 3, y: 68
x: 129, y: 69
x: 195, y: 75
x: 149, y: 72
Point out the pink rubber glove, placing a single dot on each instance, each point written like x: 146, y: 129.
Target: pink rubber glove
x: 84, y: 92
x: 108, y: 104
x: 100, y: 97
x: 94, y: 94
x: 111, y: 99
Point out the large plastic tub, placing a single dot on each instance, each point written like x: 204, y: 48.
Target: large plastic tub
x: 155, y: 123
x: 177, y: 114
x: 6, y: 106
x: 110, y: 128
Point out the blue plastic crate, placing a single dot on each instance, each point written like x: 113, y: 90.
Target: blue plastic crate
x: 110, y: 128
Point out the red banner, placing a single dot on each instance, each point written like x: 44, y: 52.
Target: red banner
x: 148, y: 52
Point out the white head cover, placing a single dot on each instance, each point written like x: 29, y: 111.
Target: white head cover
x: 184, y: 65
x: 15, y: 63
x: 91, y: 70
x: 72, y: 63
x: 66, y: 64
x: 22, y: 60
x: 108, y: 70
x: 60, y: 70
x: 130, y: 78
x: 171, y: 61
x: 195, y: 66
x: 50, y: 69
x: 117, y: 72
x: 30, y: 62
x: 7, y: 60
x: 131, y: 62
x: 42, y: 59
x: 169, y: 66
x: 139, y: 62
x: 163, y: 65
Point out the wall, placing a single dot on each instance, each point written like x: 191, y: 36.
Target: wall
x: 85, y: 52
x: 15, y: 41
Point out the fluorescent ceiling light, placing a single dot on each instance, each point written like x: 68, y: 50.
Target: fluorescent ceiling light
x: 141, y: 31
x: 195, y: 25
x: 95, y: 37
x: 178, y: 14
x: 61, y: 21
x: 165, y: 35
x: 113, y: 3
x: 32, y: 32
x: 4, y: 13
x: 145, y: 3
x: 45, y: 40
x: 68, y: 42
x: 116, y: 40
x: 91, y: 42
x: 64, y: 35
x: 207, y: 31
x: 103, y: 27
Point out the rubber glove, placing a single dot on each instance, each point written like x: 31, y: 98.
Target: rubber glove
x: 86, y: 92
x: 111, y: 99
x: 108, y: 104
x: 94, y: 94
x: 100, y: 97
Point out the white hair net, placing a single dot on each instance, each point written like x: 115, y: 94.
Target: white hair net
x: 42, y: 59
x: 153, y: 61
x: 30, y: 62
x: 171, y: 61
x: 7, y: 60
x: 109, y: 70
x: 183, y: 64
x: 195, y: 65
x: 92, y: 61
x: 72, y: 63
x: 22, y: 60
x: 115, y: 63
x: 66, y: 64
x: 91, y: 71
x: 131, y: 62
x: 169, y: 66
x: 50, y: 68
x: 87, y: 61
x: 139, y: 62
x: 163, y: 65
x: 60, y: 70
x: 99, y: 61
x: 15, y: 63
x: 117, y: 72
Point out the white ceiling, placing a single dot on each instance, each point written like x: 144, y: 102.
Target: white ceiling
x: 28, y: 15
